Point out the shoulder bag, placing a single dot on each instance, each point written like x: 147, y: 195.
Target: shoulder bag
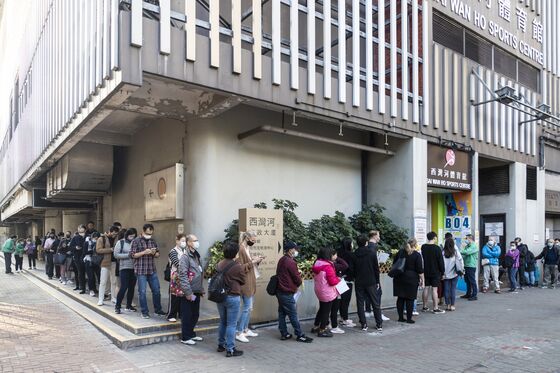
x: 398, y: 266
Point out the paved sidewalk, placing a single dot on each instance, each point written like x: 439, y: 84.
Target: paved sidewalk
x: 499, y: 333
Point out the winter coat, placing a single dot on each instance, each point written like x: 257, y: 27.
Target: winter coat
x: 9, y: 246
x: 548, y: 259
x: 470, y: 255
x: 492, y: 254
x: 325, y: 279
x: 190, y: 273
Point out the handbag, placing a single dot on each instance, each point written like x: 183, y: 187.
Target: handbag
x: 272, y: 286
x: 459, y: 265
x: 484, y: 262
x: 174, y: 286
x: 398, y: 267
x: 59, y: 259
x: 96, y: 259
x: 167, y: 273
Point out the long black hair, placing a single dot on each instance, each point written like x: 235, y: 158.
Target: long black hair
x: 325, y: 253
x: 449, y: 248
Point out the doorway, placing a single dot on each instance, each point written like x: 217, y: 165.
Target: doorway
x: 494, y: 226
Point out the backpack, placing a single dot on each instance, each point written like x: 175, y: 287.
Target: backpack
x: 272, y: 286
x: 217, y: 287
x: 508, y: 261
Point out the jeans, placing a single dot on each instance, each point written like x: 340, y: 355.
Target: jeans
x: 401, y: 302
x: 550, y: 275
x: 128, y: 282
x: 449, y: 290
x: 32, y: 259
x: 245, y: 315
x: 530, y: 278
x: 345, y: 299
x: 287, y: 307
x: 190, y: 311
x: 494, y: 271
x: 174, y: 306
x: 143, y: 281
x: 49, y: 267
x: 93, y: 275
x: 103, y: 282
x: 229, y: 312
x: 369, y: 293
x: 512, y: 274
x: 470, y: 279
x: 19, y: 262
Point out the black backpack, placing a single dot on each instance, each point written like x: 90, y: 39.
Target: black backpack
x: 508, y: 262
x: 272, y: 287
x: 217, y: 287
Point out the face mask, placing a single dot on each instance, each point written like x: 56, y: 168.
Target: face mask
x: 94, y: 240
x: 512, y: 247
x: 490, y: 243
x: 196, y: 245
x: 67, y: 236
x: 250, y: 243
x: 147, y: 236
x: 130, y: 238
x: 296, y: 253
x: 550, y: 244
x: 182, y: 244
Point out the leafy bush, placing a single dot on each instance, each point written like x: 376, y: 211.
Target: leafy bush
x: 215, y: 254
x: 327, y: 231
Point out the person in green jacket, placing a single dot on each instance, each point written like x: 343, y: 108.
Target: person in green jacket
x: 20, y: 250
x: 8, y: 249
x: 470, y: 257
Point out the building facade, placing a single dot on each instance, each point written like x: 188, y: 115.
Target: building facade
x: 445, y: 112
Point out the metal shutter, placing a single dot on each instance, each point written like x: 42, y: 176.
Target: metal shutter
x: 493, y: 180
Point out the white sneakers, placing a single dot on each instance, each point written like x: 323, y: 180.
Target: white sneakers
x: 241, y: 338
x: 92, y: 293
x: 415, y: 313
x: 100, y: 303
x: 337, y: 331
x: 347, y: 323
x: 198, y: 339
x: 190, y: 342
x: 172, y: 319
x: 250, y: 333
x: 384, y: 318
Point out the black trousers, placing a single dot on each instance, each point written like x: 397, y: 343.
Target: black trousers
x: 19, y: 262
x: 378, y: 293
x: 8, y: 262
x: 323, y: 314
x: 93, y: 275
x: 345, y: 302
x: 401, y: 303
x: 334, y: 312
x: 175, y: 307
x: 128, y: 282
x: 80, y: 272
x: 190, y: 311
x: 368, y: 293
x: 32, y: 259
x: 49, y: 267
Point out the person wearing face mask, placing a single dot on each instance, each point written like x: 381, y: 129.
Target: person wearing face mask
x: 126, y: 271
x: 470, y: 257
x: 289, y: 280
x: 31, y: 251
x: 511, y: 262
x: 174, y: 256
x: 190, y: 280
x: 77, y: 246
x: 144, y: 250
x: 49, y: 252
x: 62, y: 253
x: 250, y: 265
x: 93, y: 271
x: 345, y: 253
x: 105, y: 246
x: 490, y: 263
x: 551, y: 255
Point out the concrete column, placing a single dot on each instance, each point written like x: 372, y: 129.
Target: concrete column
x: 71, y: 220
x: 53, y: 219
x: 518, y: 198
x: 474, y: 195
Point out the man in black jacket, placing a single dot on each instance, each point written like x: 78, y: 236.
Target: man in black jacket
x: 523, y: 250
x: 434, y: 270
x: 551, y: 255
x: 77, y: 246
x: 366, y: 273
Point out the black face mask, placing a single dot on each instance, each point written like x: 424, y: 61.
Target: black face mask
x: 67, y: 236
x: 250, y: 243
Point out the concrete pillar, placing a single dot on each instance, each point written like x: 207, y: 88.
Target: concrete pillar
x: 71, y: 220
x: 518, y: 184
x: 53, y: 219
x: 474, y: 195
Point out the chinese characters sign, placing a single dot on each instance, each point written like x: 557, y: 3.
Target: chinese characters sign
x: 269, y: 227
x: 448, y: 168
x: 552, y: 199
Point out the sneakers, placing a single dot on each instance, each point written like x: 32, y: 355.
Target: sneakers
x: 145, y: 316
x: 472, y: 298
x: 415, y: 313
x: 114, y: 300
x: 197, y: 339
x: 425, y: 309
x: 117, y: 311
x: 64, y: 282
x: 161, y: 313
x: 241, y: 338
x: 465, y: 296
x: 304, y: 339
x: 220, y: 348
x: 130, y: 309
x: 410, y: 321
x: 100, y: 303
x: 378, y: 328
x: 172, y: 319
x: 188, y: 342
x: 484, y: 290
x: 234, y: 353
x: 497, y: 291
x: 438, y: 311
x: 286, y: 337
x: 384, y: 318
x: 92, y: 293
x: 337, y: 331
x: 364, y: 327
x: 348, y: 323
x: 324, y: 334
x: 250, y: 333
x: 314, y: 329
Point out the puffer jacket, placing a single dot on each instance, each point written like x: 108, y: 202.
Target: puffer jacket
x: 325, y: 280
x: 190, y: 273
x: 492, y: 254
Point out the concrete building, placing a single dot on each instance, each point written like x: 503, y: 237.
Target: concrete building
x: 236, y: 102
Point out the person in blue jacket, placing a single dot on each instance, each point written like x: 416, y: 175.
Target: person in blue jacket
x: 491, y: 265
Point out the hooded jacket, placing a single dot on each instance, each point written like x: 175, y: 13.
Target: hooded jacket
x: 366, y: 267
x: 325, y: 280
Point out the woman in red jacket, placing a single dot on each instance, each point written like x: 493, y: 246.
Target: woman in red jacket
x: 325, y: 279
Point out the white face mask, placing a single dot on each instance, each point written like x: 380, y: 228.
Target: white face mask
x: 512, y: 247
x: 296, y: 253
x: 490, y: 243
x: 147, y: 236
x: 196, y: 245
x: 182, y: 244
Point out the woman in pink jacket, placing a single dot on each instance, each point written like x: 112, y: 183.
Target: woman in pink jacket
x: 325, y: 279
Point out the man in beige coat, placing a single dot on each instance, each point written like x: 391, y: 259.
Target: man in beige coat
x: 104, y: 246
